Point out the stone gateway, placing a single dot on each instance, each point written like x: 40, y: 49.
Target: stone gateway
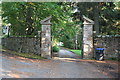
x: 46, y: 38
x: 88, y: 38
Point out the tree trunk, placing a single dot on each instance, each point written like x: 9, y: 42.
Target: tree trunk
x: 96, y: 19
x: 29, y: 20
x: 76, y: 41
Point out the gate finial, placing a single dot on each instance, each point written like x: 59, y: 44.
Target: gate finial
x: 87, y: 20
x: 46, y: 21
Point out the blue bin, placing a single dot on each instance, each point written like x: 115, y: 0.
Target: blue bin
x: 99, y: 54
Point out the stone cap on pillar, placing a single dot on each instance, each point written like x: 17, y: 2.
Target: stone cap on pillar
x: 46, y: 21
x: 87, y: 21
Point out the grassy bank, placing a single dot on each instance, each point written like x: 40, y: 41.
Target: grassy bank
x: 25, y: 55
x: 78, y: 52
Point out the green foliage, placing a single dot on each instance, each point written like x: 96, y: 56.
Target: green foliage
x: 55, y: 49
x: 69, y: 44
x: 25, y: 17
x: 5, y: 36
x: 105, y: 15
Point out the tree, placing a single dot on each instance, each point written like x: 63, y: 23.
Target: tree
x: 25, y: 17
x: 104, y: 14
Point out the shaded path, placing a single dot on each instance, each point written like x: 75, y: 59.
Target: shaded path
x: 18, y: 67
x: 63, y: 53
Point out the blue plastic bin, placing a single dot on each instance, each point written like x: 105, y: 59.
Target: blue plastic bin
x: 99, y: 54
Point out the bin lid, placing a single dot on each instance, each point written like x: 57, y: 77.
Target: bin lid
x: 99, y: 48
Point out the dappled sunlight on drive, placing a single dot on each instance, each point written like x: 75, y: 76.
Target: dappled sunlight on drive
x: 14, y: 75
x: 66, y: 59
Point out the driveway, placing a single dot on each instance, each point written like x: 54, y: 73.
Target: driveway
x: 19, y: 67
x: 64, y: 53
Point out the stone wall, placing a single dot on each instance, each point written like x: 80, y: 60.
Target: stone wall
x: 111, y: 45
x: 22, y: 44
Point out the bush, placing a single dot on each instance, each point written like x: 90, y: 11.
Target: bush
x: 55, y: 49
x: 5, y: 36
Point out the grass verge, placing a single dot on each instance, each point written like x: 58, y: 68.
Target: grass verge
x: 78, y: 52
x: 25, y: 55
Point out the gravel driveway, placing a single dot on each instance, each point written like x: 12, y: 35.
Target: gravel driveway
x: 63, y: 53
x: 19, y: 67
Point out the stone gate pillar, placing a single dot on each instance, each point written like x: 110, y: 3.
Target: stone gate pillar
x: 88, y: 38
x: 46, y: 38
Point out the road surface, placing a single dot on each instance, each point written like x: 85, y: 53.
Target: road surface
x: 18, y: 67
x: 63, y: 53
